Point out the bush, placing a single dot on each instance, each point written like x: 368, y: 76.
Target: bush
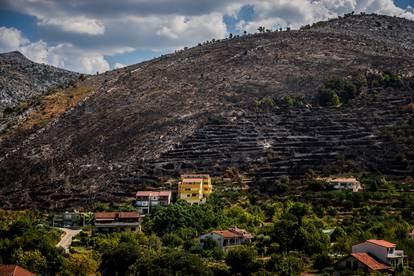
x: 285, y: 264
x: 242, y: 260
x: 328, y: 97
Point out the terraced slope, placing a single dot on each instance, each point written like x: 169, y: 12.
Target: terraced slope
x: 196, y: 110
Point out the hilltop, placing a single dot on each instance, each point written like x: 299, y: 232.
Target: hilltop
x: 22, y: 79
x: 223, y: 105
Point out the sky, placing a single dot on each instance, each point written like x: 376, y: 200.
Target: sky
x: 95, y: 36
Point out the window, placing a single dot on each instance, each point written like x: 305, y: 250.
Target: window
x: 194, y: 194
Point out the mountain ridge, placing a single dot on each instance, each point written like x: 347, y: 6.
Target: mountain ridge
x: 196, y: 111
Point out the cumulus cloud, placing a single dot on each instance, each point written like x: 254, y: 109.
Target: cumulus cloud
x: 119, y: 65
x: 82, y: 32
x: 295, y: 13
x: 80, y: 24
x: 63, y: 55
x: 11, y: 39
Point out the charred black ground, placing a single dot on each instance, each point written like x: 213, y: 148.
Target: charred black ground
x: 196, y: 110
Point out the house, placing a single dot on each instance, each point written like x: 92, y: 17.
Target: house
x: 107, y: 222
x: 14, y: 270
x: 146, y: 200
x: 228, y: 238
x: 360, y: 261
x: 194, y: 188
x: 383, y: 251
x: 68, y: 219
x: 350, y: 183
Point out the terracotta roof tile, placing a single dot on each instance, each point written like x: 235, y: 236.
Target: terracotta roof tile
x: 153, y: 193
x: 370, y: 262
x: 128, y: 215
x: 226, y: 234
x: 114, y: 215
x: 105, y: 215
x: 14, y: 270
x: 383, y: 243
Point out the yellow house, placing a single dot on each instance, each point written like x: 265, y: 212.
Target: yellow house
x: 194, y: 188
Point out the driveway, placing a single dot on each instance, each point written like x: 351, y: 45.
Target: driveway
x: 66, y: 239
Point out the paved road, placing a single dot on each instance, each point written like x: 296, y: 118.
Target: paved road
x: 66, y: 240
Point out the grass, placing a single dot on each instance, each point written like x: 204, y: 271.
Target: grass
x: 53, y: 105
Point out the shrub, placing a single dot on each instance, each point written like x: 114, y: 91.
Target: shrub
x: 328, y: 97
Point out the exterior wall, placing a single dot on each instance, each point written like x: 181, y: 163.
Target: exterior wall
x: 224, y: 243
x: 219, y: 239
x: 145, y: 203
x: 378, y: 251
x: 192, y: 192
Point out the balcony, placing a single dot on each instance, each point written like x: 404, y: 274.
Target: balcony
x: 117, y: 224
x: 396, y: 254
x: 141, y: 203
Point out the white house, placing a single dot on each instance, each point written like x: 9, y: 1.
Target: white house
x: 349, y: 183
x: 146, y: 200
x: 228, y: 238
x: 384, y: 251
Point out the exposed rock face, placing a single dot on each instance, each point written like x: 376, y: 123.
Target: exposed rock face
x: 195, y: 111
x: 21, y: 79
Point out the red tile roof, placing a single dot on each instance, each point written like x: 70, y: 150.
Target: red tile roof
x: 153, y: 193
x: 114, y: 215
x: 128, y: 215
x: 105, y: 215
x: 14, y: 270
x: 370, y: 262
x: 226, y: 234
x: 383, y: 243
x: 234, y: 233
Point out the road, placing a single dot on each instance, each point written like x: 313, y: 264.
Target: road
x: 66, y: 240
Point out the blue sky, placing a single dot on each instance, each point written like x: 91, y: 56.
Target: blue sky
x: 90, y: 36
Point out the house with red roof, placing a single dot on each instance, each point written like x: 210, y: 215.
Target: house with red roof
x: 14, y: 270
x: 228, y: 238
x: 360, y: 261
x: 108, y: 222
x: 382, y: 250
x: 371, y: 256
x: 146, y: 200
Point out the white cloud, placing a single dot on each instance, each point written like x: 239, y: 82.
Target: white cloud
x: 63, y: 55
x: 119, y: 65
x: 79, y: 24
x: 295, y: 13
x: 11, y: 39
x: 83, y: 32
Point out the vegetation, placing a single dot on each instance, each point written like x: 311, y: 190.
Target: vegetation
x: 288, y: 235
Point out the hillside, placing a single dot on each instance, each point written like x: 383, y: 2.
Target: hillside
x: 22, y: 79
x: 221, y: 105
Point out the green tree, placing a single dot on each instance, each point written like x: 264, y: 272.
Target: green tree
x: 33, y: 260
x: 80, y: 264
x: 242, y: 260
x: 285, y: 264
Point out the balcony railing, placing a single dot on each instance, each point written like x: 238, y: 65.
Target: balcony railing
x: 117, y: 224
x: 396, y: 254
